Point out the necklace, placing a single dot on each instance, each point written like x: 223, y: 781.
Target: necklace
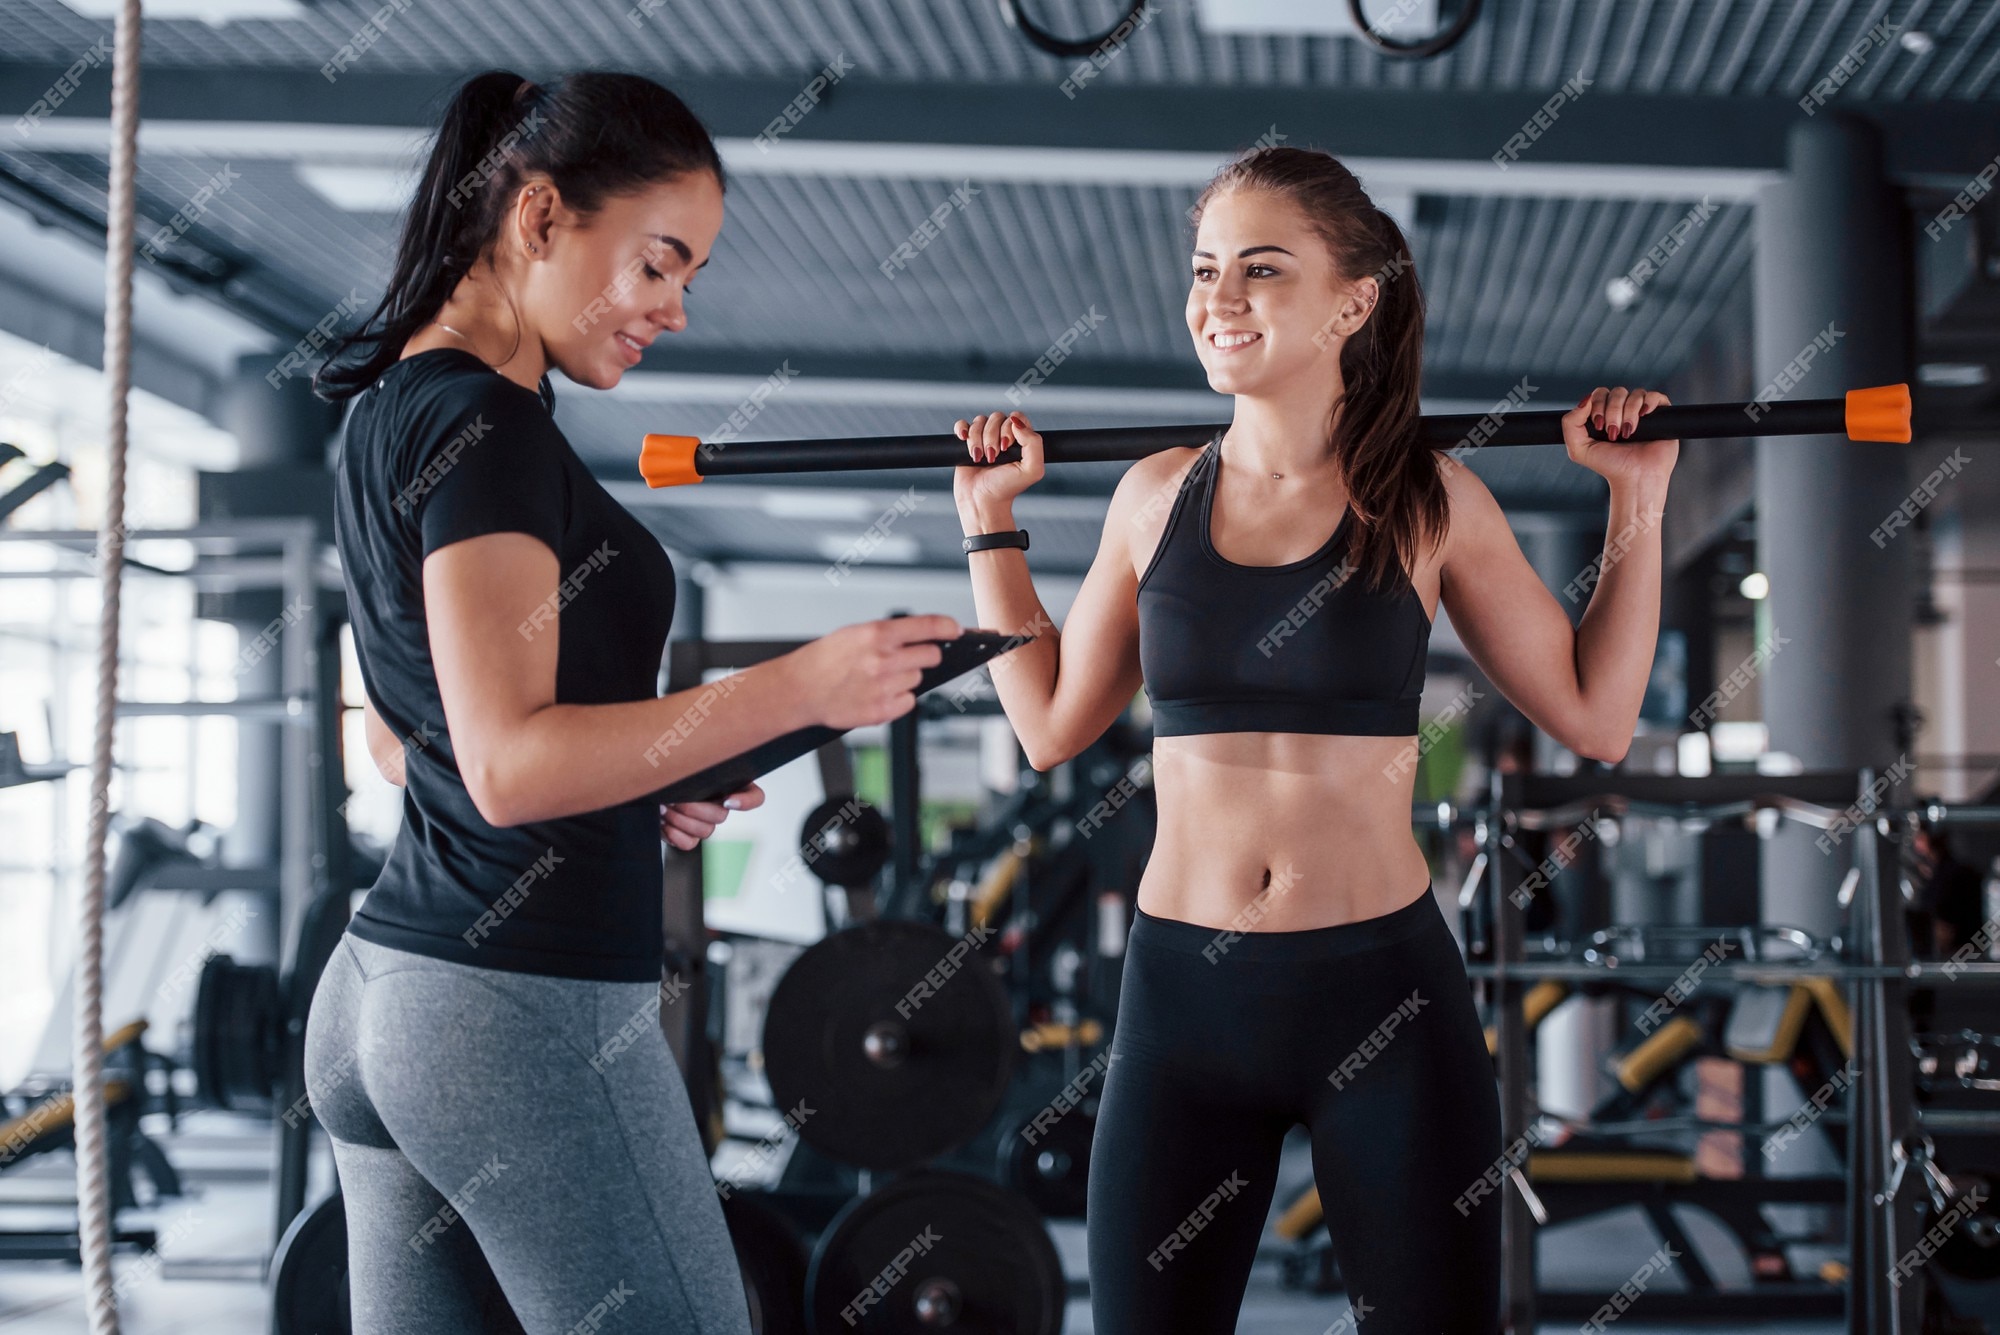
x: 448, y: 329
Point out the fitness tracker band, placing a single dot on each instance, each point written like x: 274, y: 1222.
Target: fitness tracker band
x: 980, y: 542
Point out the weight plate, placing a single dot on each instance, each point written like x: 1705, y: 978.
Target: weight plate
x: 895, y: 1036
x: 773, y: 1260
x: 937, y: 1251
x: 1971, y: 1247
x: 845, y: 845
x: 1050, y: 1164
x: 239, y: 1034
x: 309, y: 1274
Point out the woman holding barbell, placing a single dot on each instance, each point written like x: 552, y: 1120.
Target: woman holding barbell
x: 499, y: 1142
x: 1288, y: 962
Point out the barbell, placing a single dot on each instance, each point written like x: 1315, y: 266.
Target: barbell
x: 1878, y: 414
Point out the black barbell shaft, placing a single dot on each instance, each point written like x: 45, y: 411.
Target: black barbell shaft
x: 1878, y: 414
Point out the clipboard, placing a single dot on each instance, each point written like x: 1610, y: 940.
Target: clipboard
x: 971, y: 649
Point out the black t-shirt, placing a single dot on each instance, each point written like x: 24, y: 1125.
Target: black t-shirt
x: 439, y: 449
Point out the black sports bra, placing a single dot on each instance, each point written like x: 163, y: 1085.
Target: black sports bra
x: 1300, y: 647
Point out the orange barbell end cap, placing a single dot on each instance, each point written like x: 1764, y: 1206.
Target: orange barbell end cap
x: 1882, y: 413
x: 668, y: 461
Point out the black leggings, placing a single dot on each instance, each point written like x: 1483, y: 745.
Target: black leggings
x: 1366, y: 1032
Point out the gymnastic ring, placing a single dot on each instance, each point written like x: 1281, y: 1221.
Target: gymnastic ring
x: 1010, y: 12
x: 1430, y: 46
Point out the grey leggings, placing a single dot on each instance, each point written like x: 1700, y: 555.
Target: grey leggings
x: 510, y: 1139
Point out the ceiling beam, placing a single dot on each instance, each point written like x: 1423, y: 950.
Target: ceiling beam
x: 1926, y: 143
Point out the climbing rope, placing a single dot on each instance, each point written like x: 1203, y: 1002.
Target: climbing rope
x: 93, y: 1178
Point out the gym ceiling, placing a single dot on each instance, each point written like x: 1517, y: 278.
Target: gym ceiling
x: 1080, y: 212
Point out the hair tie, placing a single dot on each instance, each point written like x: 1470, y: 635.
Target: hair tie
x: 527, y: 87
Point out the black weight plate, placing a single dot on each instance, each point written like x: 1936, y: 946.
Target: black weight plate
x: 936, y: 1251
x: 844, y: 845
x: 309, y: 1274
x: 773, y: 1260
x: 238, y: 1034
x: 949, y: 1053
x: 1053, y: 1170
x: 1971, y: 1246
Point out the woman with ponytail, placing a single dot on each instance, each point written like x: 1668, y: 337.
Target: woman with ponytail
x: 1288, y: 963
x: 514, y: 1142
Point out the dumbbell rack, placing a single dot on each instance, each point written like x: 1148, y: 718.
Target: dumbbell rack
x: 1881, y: 1106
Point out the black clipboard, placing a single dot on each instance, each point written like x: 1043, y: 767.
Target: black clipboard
x: 968, y: 651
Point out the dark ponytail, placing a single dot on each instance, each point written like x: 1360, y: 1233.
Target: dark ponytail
x: 1393, y: 480
x: 594, y: 134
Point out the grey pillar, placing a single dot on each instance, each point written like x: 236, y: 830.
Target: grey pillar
x: 282, y: 428
x: 1836, y: 625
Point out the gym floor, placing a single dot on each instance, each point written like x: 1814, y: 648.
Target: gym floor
x: 209, y: 1280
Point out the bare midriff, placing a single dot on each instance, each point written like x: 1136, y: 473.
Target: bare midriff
x: 1277, y: 831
